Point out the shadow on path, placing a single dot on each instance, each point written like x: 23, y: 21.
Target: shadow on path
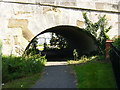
x: 56, y: 75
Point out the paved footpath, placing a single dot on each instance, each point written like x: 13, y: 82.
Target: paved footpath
x: 56, y: 75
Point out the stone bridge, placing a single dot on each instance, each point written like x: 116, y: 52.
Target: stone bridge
x: 21, y: 22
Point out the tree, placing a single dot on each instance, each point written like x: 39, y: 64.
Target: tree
x: 59, y: 41
x: 32, y: 50
x: 53, y: 41
x: 101, y: 26
x: 0, y: 53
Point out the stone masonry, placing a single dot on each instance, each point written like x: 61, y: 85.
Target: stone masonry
x: 20, y: 22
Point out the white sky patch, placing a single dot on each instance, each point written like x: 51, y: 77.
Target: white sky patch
x: 44, y: 38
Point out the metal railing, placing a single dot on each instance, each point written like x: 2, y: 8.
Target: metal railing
x: 115, y: 60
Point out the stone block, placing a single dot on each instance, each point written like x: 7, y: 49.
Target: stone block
x: 99, y: 6
x: 23, y: 24
x: 80, y: 23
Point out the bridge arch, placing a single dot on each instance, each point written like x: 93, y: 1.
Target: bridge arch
x: 78, y: 38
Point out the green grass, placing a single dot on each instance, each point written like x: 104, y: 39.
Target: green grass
x: 95, y: 74
x: 21, y: 72
x: 18, y: 67
x: 25, y: 82
x: 83, y: 59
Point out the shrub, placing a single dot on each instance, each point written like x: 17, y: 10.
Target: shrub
x: 0, y: 47
x: 116, y: 43
x: 101, y: 27
x: 75, y: 54
x: 100, y: 57
x: 17, y: 67
x: 0, y: 63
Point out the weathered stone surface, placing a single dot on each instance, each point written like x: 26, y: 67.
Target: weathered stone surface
x: 23, y: 24
x: 20, y: 23
x: 99, y: 6
x: 80, y: 23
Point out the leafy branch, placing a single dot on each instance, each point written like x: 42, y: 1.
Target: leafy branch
x: 99, y: 30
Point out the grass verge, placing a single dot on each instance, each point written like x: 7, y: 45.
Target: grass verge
x: 18, y: 67
x: 25, y: 82
x: 95, y: 74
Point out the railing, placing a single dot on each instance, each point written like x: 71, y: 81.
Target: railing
x: 115, y: 59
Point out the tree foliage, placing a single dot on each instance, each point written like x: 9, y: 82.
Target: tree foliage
x: 32, y: 50
x: 0, y: 48
x: 58, y: 41
x: 99, y: 30
x: 116, y: 43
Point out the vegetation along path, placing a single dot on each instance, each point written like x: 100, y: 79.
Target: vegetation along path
x: 56, y: 75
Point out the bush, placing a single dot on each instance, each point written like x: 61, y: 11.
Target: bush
x: 17, y: 67
x: 116, y: 43
x: 101, y: 27
x: 0, y: 63
x: 0, y: 47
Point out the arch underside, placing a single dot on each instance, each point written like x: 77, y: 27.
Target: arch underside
x: 76, y: 37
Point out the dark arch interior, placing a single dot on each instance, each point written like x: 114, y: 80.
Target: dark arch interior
x: 76, y: 37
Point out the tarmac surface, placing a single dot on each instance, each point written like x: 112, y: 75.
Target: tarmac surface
x: 56, y: 75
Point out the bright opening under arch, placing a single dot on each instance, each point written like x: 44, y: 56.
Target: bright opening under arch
x: 78, y: 38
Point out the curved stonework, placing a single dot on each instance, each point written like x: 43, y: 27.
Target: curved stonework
x: 77, y: 38
x: 20, y: 23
